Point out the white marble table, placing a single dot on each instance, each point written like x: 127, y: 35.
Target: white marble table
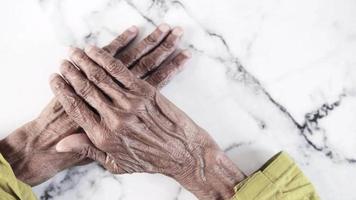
x: 265, y: 76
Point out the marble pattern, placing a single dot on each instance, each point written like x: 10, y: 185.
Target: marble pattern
x: 265, y: 76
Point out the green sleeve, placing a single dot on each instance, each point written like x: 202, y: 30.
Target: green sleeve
x: 10, y: 187
x: 279, y: 179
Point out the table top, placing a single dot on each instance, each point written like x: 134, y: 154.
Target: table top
x: 265, y: 76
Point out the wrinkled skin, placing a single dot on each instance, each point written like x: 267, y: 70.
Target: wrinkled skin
x: 30, y: 150
x: 136, y: 129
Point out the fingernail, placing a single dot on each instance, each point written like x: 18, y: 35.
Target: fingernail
x: 178, y: 31
x: 164, y: 27
x: 60, y: 147
x: 54, y: 84
x: 187, y: 53
x: 89, y: 48
x: 52, y: 77
x: 64, y: 62
x: 65, y: 66
x: 133, y: 29
x: 71, y: 50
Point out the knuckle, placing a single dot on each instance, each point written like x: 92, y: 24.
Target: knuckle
x: 130, y: 85
x: 151, y: 39
x: 154, y: 80
x: 84, y: 60
x: 79, y: 55
x: 97, y: 75
x: 85, y: 152
x: 136, y: 53
x: 110, y: 49
x: 135, y: 86
x: 78, y: 155
x: 112, y: 65
x: 126, y: 58
x: 99, y: 52
x: 176, y: 62
x: 115, y: 68
x: 167, y: 45
x: 73, y: 105
x: 89, y: 152
x: 158, y: 77
x: 147, y: 63
x: 145, y: 90
x: 85, y: 89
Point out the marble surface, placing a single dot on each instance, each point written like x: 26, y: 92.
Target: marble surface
x: 265, y: 76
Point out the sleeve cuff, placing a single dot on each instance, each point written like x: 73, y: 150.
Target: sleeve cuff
x: 280, y: 178
x: 10, y: 187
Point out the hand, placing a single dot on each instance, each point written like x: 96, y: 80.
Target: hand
x: 136, y: 129
x: 30, y: 150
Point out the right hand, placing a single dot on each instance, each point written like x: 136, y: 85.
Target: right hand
x: 136, y: 129
x: 30, y: 150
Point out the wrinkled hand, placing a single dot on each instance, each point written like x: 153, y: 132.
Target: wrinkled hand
x: 136, y: 129
x: 30, y: 150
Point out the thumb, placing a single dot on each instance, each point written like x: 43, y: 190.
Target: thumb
x: 80, y: 144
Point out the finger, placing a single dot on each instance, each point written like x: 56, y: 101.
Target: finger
x: 83, y: 87
x: 146, y: 45
x: 81, y: 144
x: 73, y: 104
x: 113, y: 66
x: 95, y: 73
x: 121, y: 41
x: 167, y: 71
x: 157, y: 56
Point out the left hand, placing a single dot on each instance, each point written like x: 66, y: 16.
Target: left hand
x: 30, y: 150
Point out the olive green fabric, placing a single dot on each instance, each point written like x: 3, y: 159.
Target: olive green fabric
x: 10, y: 187
x: 279, y: 179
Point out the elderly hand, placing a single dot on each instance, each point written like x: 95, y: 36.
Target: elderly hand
x: 133, y: 128
x: 30, y: 150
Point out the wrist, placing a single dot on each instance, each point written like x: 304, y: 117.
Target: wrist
x: 213, y: 176
x: 15, y: 148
